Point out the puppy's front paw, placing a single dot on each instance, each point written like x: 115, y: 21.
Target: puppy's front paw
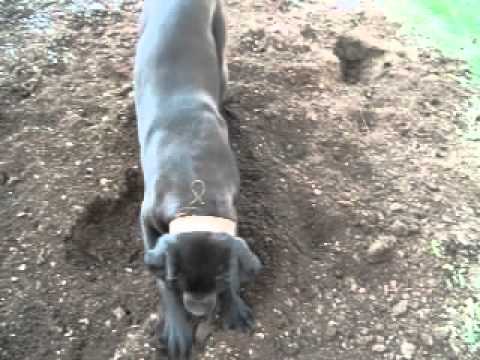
x: 178, y: 340
x: 238, y: 315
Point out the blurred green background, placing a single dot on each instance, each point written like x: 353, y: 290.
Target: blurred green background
x: 453, y: 26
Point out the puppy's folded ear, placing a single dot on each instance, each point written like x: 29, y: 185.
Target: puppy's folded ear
x: 249, y: 263
x: 158, y: 259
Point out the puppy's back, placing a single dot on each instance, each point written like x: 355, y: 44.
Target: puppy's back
x: 176, y: 53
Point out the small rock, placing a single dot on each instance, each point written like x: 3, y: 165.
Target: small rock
x: 365, y: 340
x: 399, y: 228
x: 413, y: 229
x: 125, y: 89
x: 400, y: 308
x: 22, y: 267
x: 426, y: 339
x: 331, y: 330
x: 432, y: 187
x: 441, y: 154
x: 41, y: 257
x: 415, y: 305
x: 378, y: 348
x: 13, y: 180
x: 407, y: 349
x: 441, y: 333
x: 396, y: 207
x: 308, y: 32
x: 379, y: 248
x: 260, y: 335
x: 119, y: 313
x: 84, y: 321
x: 292, y: 349
x: 364, y: 331
x: 105, y: 181
x: 319, y: 309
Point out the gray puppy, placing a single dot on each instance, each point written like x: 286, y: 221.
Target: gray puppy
x: 188, y: 214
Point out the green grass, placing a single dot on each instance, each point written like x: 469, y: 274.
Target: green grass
x: 466, y: 317
x: 452, y: 26
x: 436, y: 248
x: 471, y: 324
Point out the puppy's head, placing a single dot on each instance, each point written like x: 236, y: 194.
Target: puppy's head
x: 201, y: 265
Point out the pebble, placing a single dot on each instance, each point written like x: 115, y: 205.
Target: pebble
x: 331, y: 330
x: 105, y: 181
x: 432, y: 187
x: 426, y: 339
x: 319, y: 309
x: 378, y: 348
x: 399, y: 228
x: 365, y: 340
x: 400, y: 308
x: 40, y: 257
x: 441, y: 332
x: 22, y: 267
x: 407, y: 349
x: 380, y: 247
x: 260, y: 335
x: 396, y: 207
x: 119, y: 313
x: 364, y: 331
x: 84, y: 321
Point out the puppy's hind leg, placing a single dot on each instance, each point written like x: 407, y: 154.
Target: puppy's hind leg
x: 220, y: 36
x: 177, y: 333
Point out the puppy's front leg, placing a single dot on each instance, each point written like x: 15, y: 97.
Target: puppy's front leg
x: 236, y: 314
x: 177, y: 332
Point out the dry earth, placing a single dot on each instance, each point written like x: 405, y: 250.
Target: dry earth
x: 356, y: 194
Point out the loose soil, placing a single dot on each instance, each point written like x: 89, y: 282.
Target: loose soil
x: 331, y: 173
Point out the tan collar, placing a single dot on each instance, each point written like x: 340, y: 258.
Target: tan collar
x: 186, y: 224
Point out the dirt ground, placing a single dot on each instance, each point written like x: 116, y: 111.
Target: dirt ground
x: 356, y: 196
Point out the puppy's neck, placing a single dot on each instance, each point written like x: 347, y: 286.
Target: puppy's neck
x: 185, y: 224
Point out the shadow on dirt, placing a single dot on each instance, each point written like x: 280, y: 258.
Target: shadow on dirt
x: 106, y: 233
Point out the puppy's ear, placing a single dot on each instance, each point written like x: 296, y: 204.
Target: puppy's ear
x: 249, y: 263
x: 159, y: 260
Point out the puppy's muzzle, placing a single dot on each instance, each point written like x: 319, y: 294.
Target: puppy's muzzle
x: 202, y: 305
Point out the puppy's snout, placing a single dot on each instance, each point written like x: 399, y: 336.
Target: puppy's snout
x: 199, y: 305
